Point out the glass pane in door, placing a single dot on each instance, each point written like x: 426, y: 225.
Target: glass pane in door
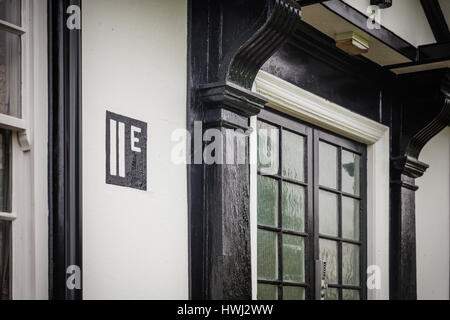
x: 328, y: 213
x: 267, y: 255
x: 293, y: 207
x: 267, y: 201
x: 328, y: 164
x: 293, y: 293
x: 350, y: 264
x: 329, y: 254
x: 350, y: 295
x: 350, y: 218
x: 268, y: 149
x: 351, y: 173
x: 332, y: 294
x: 267, y: 292
x: 293, y: 258
x: 293, y: 156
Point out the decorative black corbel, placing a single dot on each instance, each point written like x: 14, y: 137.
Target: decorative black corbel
x: 414, y: 127
x: 284, y: 16
x: 231, y: 40
x: 441, y: 120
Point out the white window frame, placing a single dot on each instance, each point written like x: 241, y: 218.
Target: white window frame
x: 29, y: 208
x: 294, y: 101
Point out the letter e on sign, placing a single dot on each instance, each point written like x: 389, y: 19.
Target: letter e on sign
x: 126, y: 152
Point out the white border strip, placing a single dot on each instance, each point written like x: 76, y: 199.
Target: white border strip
x: 304, y: 105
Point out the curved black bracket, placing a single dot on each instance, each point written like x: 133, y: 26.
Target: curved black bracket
x: 240, y: 61
x: 442, y: 120
x: 284, y: 16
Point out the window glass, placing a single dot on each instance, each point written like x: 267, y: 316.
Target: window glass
x: 10, y: 78
x: 4, y: 171
x: 5, y: 259
x: 10, y: 104
x: 10, y: 11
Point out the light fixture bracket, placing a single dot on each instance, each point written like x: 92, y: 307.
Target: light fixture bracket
x: 382, y: 4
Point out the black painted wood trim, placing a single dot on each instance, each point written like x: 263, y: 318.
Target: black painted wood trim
x: 229, y: 41
x: 321, y: 46
x: 358, y: 19
x: 304, y: 3
x: 282, y: 20
x: 436, y: 20
x: 65, y: 157
x: 426, y: 54
x: 437, y: 51
x: 422, y: 110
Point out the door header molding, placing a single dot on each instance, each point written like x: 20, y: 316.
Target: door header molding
x: 290, y: 99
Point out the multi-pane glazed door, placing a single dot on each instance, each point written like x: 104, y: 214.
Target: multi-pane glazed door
x: 340, y: 214
x: 311, y: 207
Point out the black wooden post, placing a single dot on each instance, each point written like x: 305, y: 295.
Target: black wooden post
x: 227, y: 191
x: 411, y: 131
x: 403, y: 226
x: 230, y: 41
x: 65, y: 158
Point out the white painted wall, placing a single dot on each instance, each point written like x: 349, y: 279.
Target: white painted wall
x: 433, y: 220
x: 405, y: 18
x: 134, y: 64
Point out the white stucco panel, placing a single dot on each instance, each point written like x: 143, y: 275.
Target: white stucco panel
x: 135, y: 243
x: 433, y: 220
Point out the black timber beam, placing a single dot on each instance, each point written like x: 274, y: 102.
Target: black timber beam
x: 304, y: 3
x: 436, y: 20
x: 432, y: 53
x: 359, y: 20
